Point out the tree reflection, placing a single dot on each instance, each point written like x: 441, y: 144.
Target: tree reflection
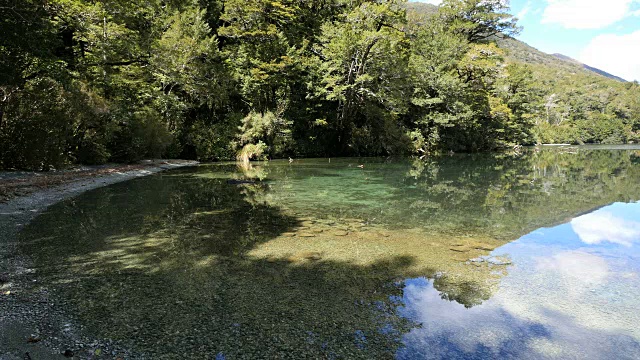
x: 306, y: 258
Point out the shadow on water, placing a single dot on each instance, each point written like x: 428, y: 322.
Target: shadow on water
x: 309, y: 260
x: 167, y: 272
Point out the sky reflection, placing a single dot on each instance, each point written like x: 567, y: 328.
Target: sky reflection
x: 618, y: 224
x: 573, y: 292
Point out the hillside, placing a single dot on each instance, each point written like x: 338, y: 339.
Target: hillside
x: 590, y: 68
x: 568, y: 101
x: 522, y: 52
x: 100, y: 81
x: 518, y: 50
x: 421, y: 8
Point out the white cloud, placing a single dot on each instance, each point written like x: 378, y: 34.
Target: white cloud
x: 616, y: 54
x: 602, y: 226
x: 524, y: 11
x: 586, y: 14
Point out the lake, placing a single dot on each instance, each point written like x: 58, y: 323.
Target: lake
x: 533, y: 255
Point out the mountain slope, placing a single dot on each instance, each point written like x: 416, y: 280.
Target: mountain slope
x: 522, y: 52
x: 518, y: 50
x: 590, y: 68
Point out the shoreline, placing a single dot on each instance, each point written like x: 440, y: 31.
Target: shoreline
x: 32, y: 324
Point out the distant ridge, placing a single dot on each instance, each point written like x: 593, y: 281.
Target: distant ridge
x: 590, y: 68
x: 518, y: 50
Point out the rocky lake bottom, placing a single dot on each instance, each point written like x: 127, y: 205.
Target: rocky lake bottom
x: 533, y: 255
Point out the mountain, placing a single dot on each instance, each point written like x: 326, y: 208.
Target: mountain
x: 519, y: 51
x: 590, y: 68
x: 522, y: 52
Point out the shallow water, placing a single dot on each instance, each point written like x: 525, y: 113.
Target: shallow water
x: 468, y: 256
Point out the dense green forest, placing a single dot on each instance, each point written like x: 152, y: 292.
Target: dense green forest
x: 89, y: 81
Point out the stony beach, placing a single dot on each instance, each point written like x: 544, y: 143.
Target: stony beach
x: 32, y: 324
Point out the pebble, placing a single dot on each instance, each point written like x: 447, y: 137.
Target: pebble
x: 35, y: 309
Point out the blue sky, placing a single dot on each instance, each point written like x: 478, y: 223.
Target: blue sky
x: 603, y: 34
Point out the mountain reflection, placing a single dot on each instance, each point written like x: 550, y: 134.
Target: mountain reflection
x: 570, y: 295
x: 311, y: 258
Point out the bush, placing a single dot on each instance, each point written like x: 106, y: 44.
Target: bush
x: 142, y: 135
x: 268, y: 127
x: 602, y: 129
x: 38, y: 127
x: 546, y: 133
x: 214, y: 141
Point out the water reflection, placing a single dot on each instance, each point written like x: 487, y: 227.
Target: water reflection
x: 309, y: 258
x: 563, y: 298
x: 162, y: 265
x: 618, y: 224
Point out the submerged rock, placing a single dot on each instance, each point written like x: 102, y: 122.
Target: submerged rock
x: 314, y: 256
x: 492, y: 260
x: 499, y: 261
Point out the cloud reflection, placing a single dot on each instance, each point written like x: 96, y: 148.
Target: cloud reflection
x: 579, y: 267
x: 530, y: 324
x: 572, y: 293
x: 605, y: 226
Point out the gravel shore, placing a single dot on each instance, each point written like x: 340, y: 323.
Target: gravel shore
x: 32, y: 325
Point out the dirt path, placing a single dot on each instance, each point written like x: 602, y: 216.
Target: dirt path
x: 32, y: 325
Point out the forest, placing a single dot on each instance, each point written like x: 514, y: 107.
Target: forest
x: 96, y: 81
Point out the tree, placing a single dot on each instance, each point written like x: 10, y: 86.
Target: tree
x: 363, y: 58
x: 204, y: 79
x: 478, y: 20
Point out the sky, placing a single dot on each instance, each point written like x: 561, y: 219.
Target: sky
x: 602, y: 34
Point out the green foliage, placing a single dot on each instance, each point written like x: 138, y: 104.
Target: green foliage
x: 268, y: 132
x: 186, y: 58
x: 252, y: 152
x: 142, y: 135
x: 213, y: 141
x: 570, y: 104
x: 363, y: 58
x: 47, y: 125
x: 98, y: 81
x: 478, y: 20
x: 39, y: 129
